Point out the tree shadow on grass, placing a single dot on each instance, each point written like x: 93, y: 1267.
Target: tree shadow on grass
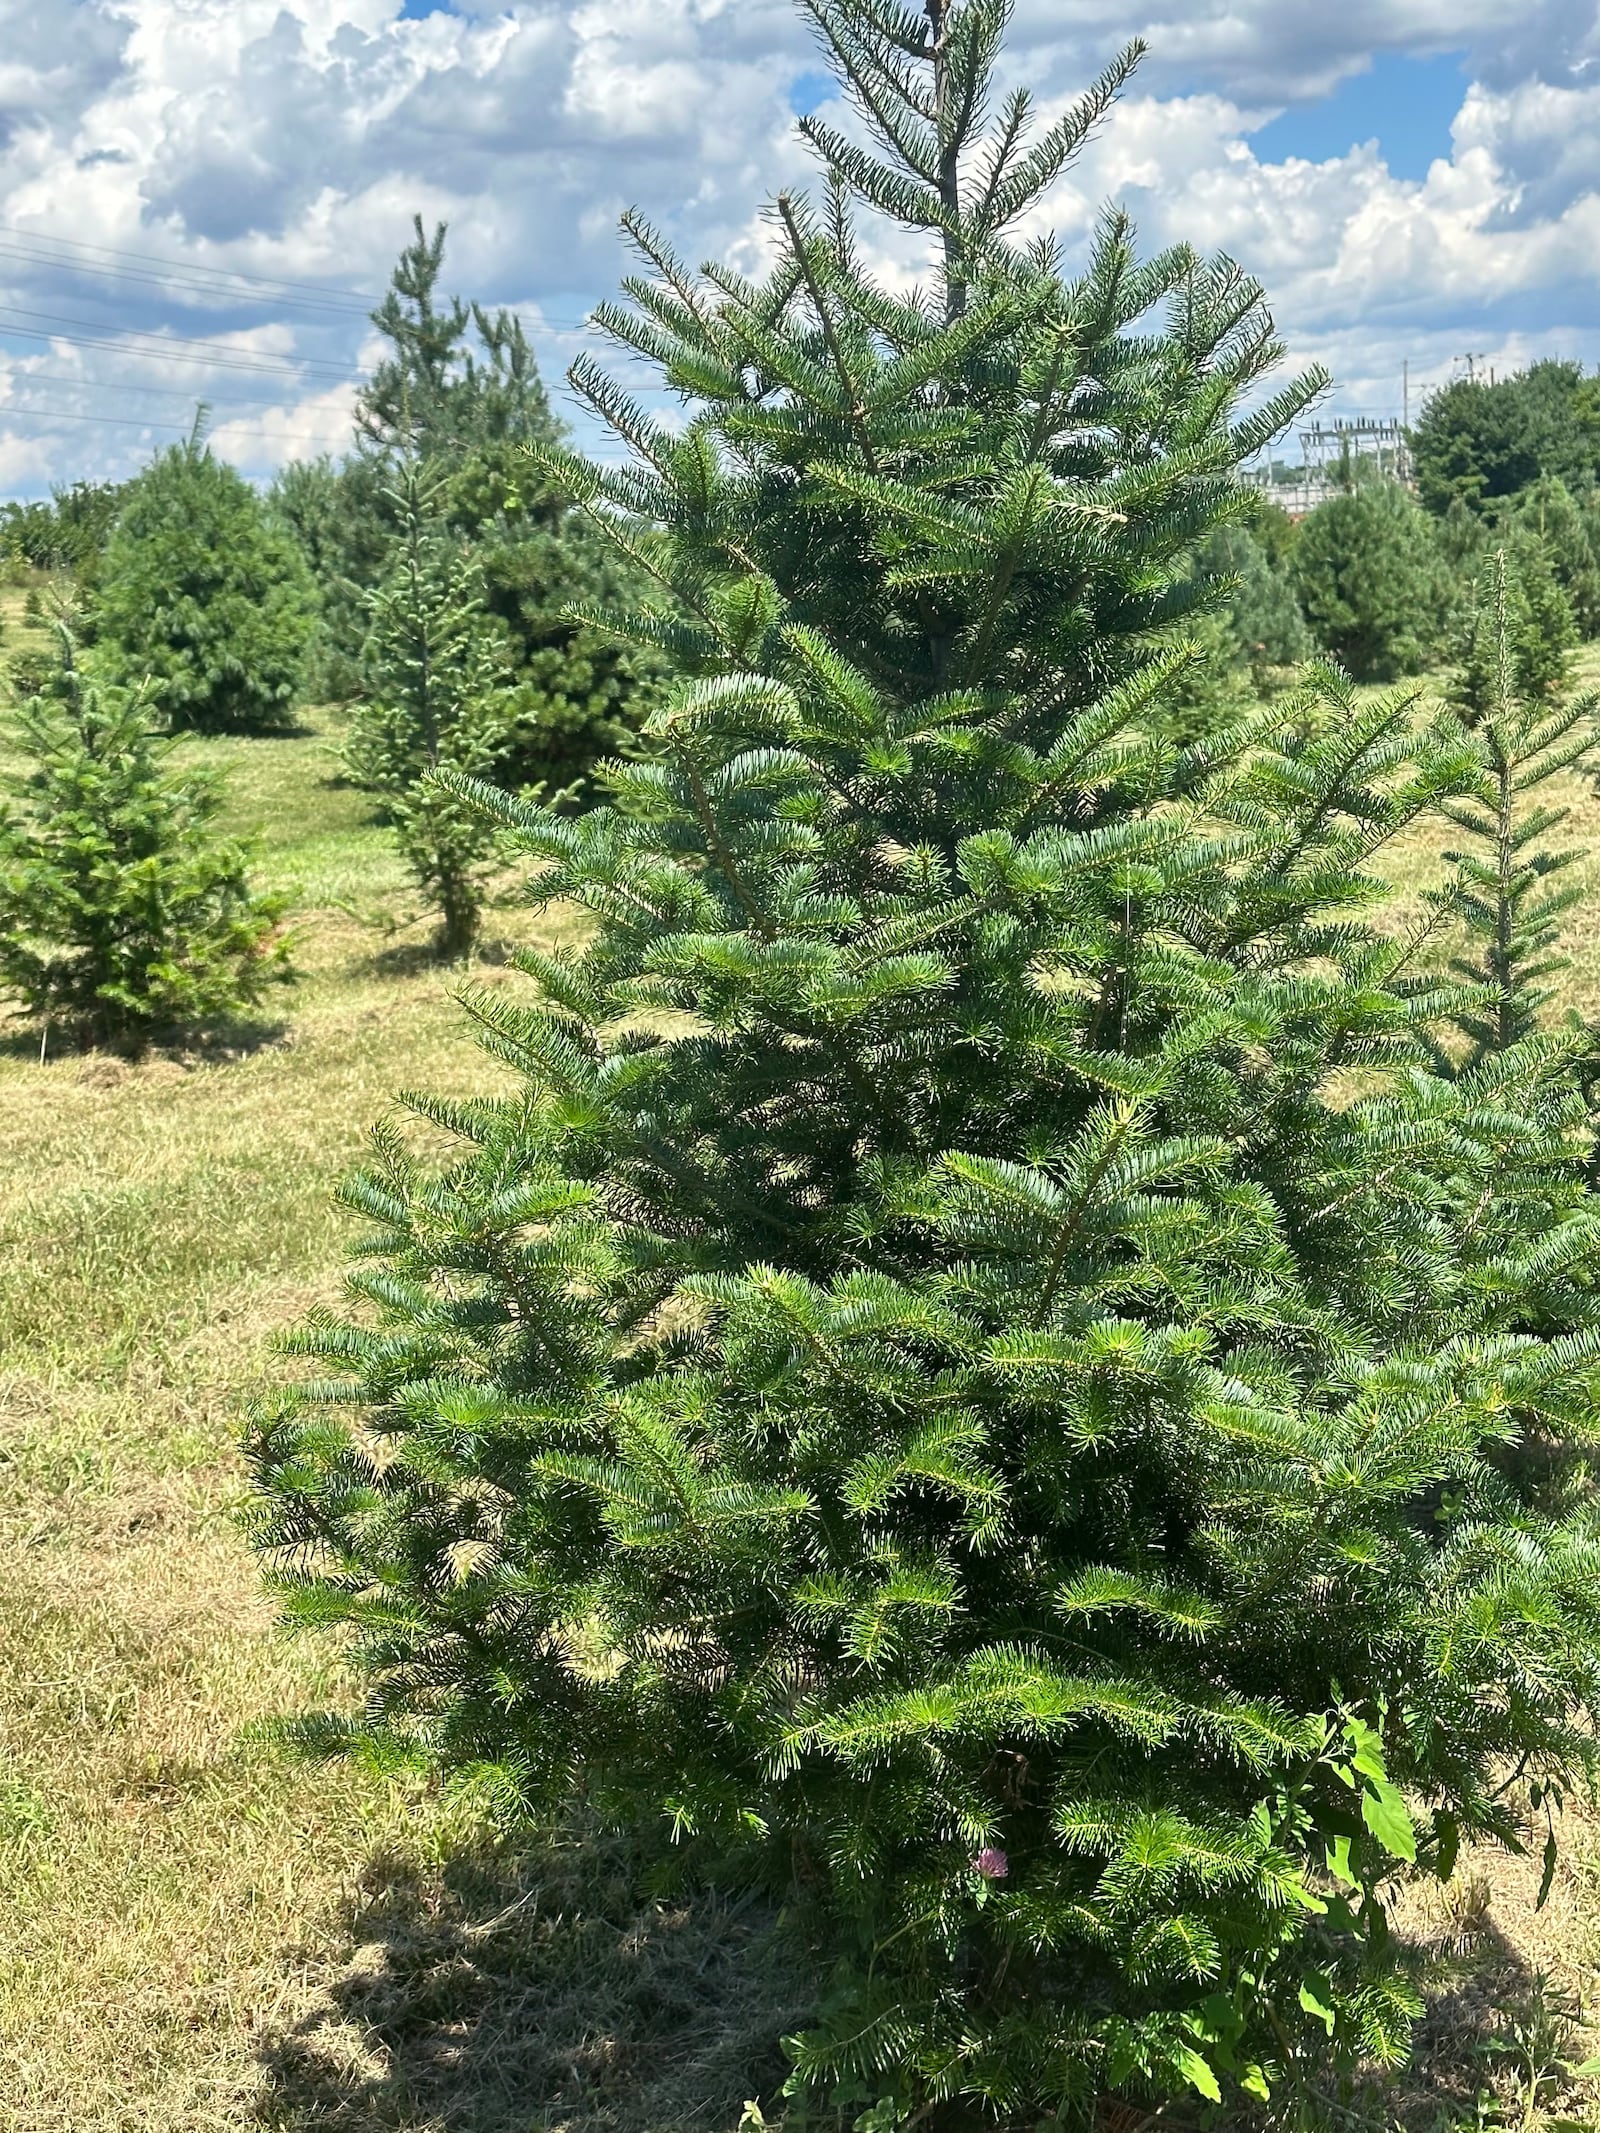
x: 216, y: 1045
x: 1495, y: 2029
x: 413, y: 958
x: 507, y: 1991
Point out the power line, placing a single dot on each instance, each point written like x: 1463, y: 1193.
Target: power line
x: 117, y: 386
x: 203, y: 292
x: 139, y: 422
x: 168, y: 346
x: 355, y: 297
x: 346, y: 302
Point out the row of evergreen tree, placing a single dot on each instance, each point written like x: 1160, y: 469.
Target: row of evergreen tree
x: 436, y: 584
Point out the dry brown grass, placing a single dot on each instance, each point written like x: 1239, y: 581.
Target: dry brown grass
x: 194, y: 1934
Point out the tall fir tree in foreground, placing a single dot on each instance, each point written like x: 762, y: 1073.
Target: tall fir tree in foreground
x: 972, y: 1372
x: 438, y: 699
x: 203, y: 595
x: 123, y: 915
x: 1506, y: 888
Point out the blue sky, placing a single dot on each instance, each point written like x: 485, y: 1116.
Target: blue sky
x: 197, y: 197
x: 1403, y: 101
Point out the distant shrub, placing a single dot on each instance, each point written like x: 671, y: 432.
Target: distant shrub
x: 204, y: 594
x: 122, y: 915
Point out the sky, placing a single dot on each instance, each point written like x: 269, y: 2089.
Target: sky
x: 201, y: 199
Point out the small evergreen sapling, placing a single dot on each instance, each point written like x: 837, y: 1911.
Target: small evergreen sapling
x: 123, y: 917
x: 1506, y: 888
x: 439, y: 698
x: 1515, y: 611
x: 931, y: 1381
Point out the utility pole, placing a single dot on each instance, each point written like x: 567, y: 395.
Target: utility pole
x: 1403, y: 456
x: 1472, y: 360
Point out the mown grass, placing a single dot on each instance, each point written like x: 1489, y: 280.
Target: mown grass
x: 195, y: 1931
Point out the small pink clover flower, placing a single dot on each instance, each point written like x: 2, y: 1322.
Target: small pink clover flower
x: 992, y: 1863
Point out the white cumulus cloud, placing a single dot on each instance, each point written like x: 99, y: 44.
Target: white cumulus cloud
x: 294, y: 139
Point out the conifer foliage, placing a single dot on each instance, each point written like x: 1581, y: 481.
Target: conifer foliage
x: 438, y: 699
x: 1505, y: 888
x: 203, y: 595
x: 921, y: 1385
x: 458, y: 391
x: 122, y: 915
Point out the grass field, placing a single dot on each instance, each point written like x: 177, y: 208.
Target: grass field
x: 197, y: 1933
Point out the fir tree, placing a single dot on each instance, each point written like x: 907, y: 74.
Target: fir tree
x: 1506, y: 888
x: 203, y: 595
x: 123, y: 916
x: 925, y: 1383
x: 1527, y: 620
x: 1371, y: 582
x: 438, y: 698
x: 460, y: 392
x: 339, y: 517
x: 1548, y: 514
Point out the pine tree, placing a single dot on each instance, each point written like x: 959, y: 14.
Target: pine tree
x: 969, y: 1374
x: 123, y: 916
x: 1505, y: 887
x: 439, y: 698
x: 204, y: 596
x: 1267, y: 629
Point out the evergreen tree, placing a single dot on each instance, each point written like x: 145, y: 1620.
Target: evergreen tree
x: 921, y: 1384
x: 1532, y: 625
x: 1463, y: 540
x: 205, y: 596
x: 1548, y: 514
x: 438, y: 698
x: 122, y: 915
x: 1483, y: 443
x: 1505, y: 888
x: 1267, y: 629
x: 460, y: 392
x: 1371, y: 582
x: 339, y: 517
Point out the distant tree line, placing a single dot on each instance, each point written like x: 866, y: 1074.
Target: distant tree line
x: 437, y: 589
x: 1384, y: 578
